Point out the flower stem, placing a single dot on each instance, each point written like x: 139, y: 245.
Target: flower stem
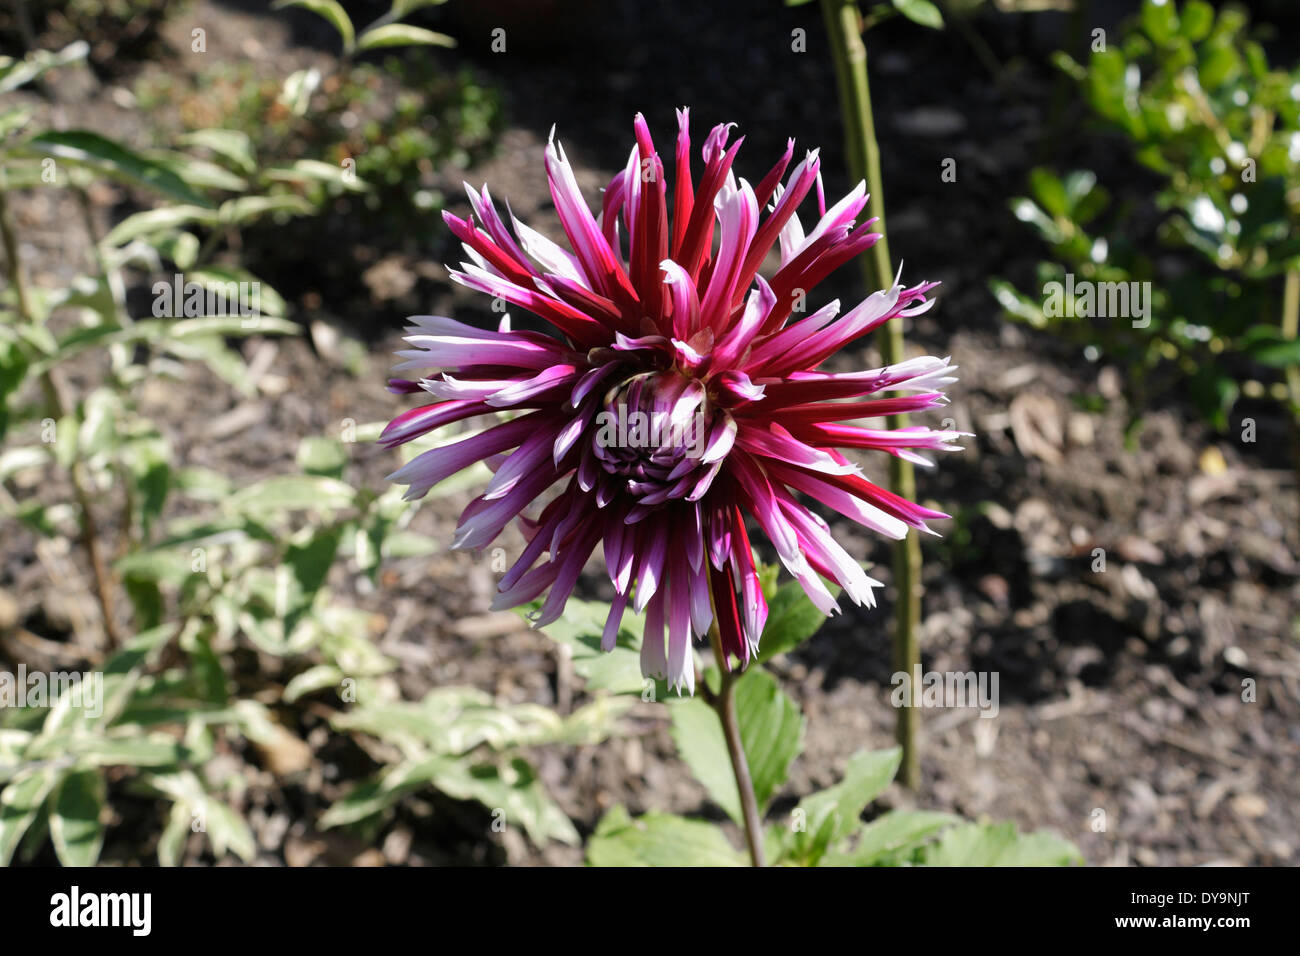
x: 844, y: 29
x: 724, y: 704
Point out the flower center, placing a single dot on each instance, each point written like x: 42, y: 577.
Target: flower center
x: 652, y: 434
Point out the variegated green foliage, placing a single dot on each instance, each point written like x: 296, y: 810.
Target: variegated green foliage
x: 208, y: 566
x: 459, y: 741
x: 158, y: 725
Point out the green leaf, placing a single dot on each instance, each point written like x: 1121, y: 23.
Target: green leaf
x: 292, y: 492
x: 234, y: 291
x: 298, y: 88
x: 456, y: 720
x: 152, y: 750
x: 1086, y: 199
x: 1219, y: 63
x: 409, y: 544
x: 207, y: 675
x: 86, y: 337
x: 158, y: 566
x: 230, y: 144
x: 75, y: 826
x: 99, y: 415
x: 199, y: 811
x: 999, y: 844
x: 202, y: 484
x: 311, y: 680
x: 618, y: 671
x: 20, y: 802
x: 225, y: 325
x: 400, y: 34
x: 228, y: 831
x: 13, y: 369
x: 1028, y: 211
x: 310, y: 562
x: 1106, y: 85
x: 1214, y: 393
x: 895, y: 832
x: 1197, y: 19
x: 1020, y: 306
x: 322, y: 456
x: 1160, y: 20
x: 189, y: 813
x: 701, y: 744
x: 659, y: 839
x: 152, y: 221
x: 402, y: 7
x: 15, y: 460
x: 1069, y: 66
x: 14, y: 118
x: 828, y: 816
x: 171, y: 844
x: 148, y: 460
x: 1268, y: 346
x: 313, y: 170
x: 197, y: 173
x: 331, y: 10
x: 122, y: 671
x: 1049, y: 191
x: 771, y: 732
x: 382, y: 791
x: 514, y: 790
x: 920, y: 11
x: 147, y: 601
x: 247, y: 209
x: 791, y: 619
x: 15, y: 73
x: 85, y: 148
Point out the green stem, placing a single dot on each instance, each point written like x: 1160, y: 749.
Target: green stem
x: 724, y: 704
x: 16, y: 278
x: 844, y: 28
x: 54, y: 398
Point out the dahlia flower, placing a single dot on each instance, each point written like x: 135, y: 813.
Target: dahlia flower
x: 676, y: 399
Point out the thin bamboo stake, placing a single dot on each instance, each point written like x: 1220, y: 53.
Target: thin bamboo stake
x: 844, y: 28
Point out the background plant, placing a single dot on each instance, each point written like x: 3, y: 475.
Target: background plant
x: 1197, y: 103
x: 398, y: 141
x: 117, y: 31
x: 209, y: 571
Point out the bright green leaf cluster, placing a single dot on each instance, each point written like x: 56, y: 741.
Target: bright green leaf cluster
x: 1202, y: 108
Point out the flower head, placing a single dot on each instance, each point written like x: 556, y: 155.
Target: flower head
x: 677, y: 397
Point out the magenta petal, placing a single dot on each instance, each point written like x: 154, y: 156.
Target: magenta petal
x: 681, y: 663
x: 654, y: 663
x: 609, y: 636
